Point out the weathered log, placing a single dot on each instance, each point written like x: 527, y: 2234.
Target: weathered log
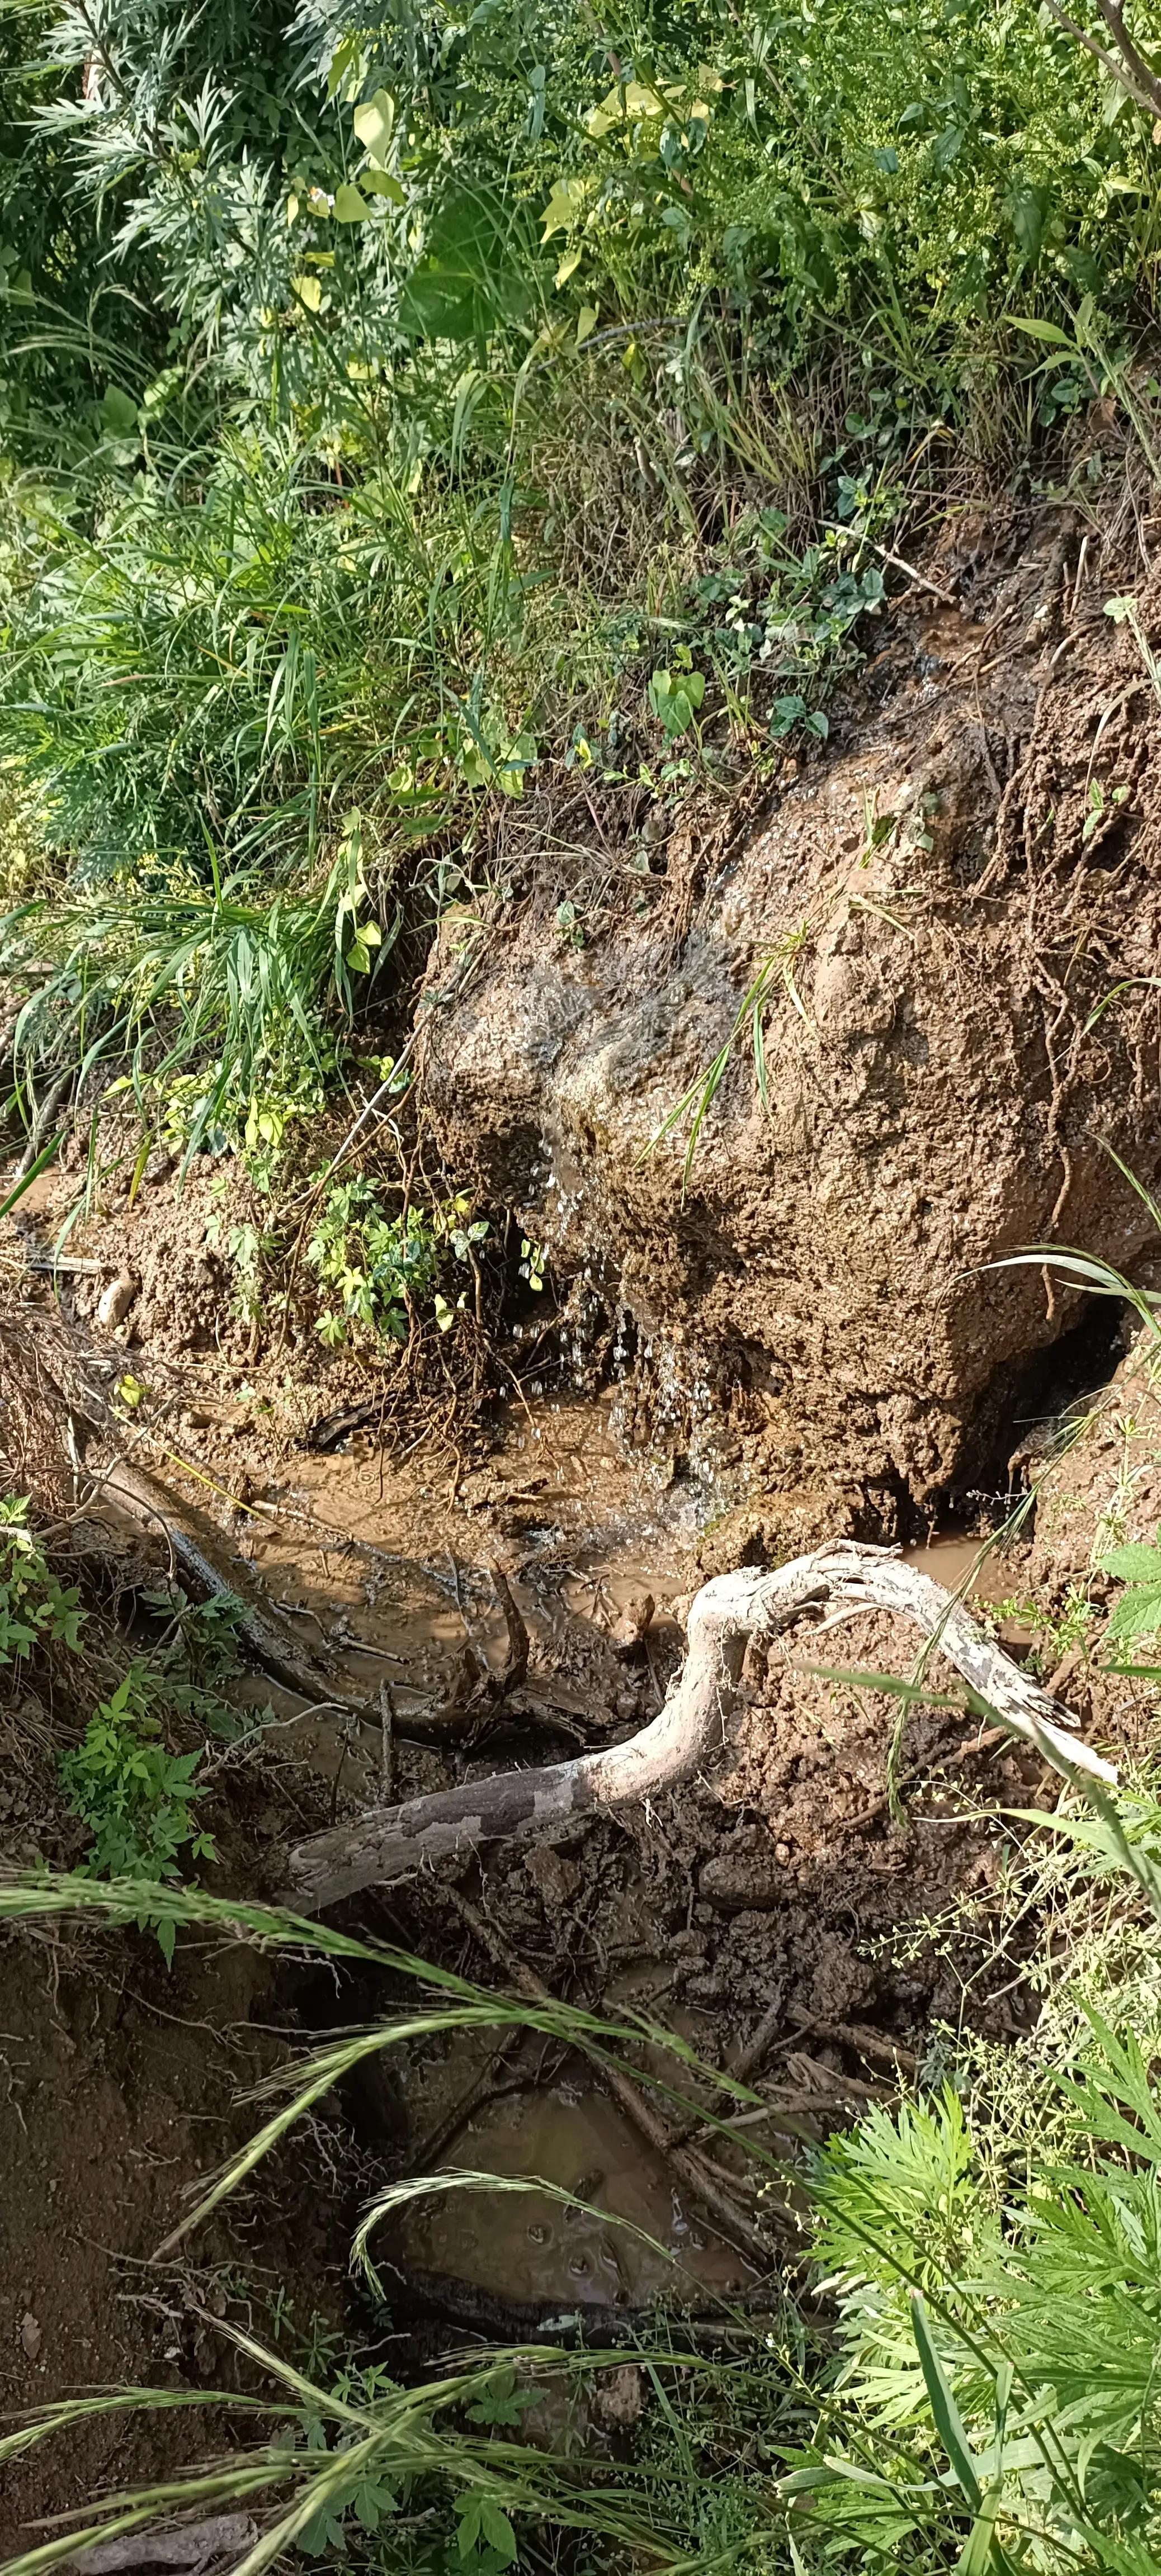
x: 270, y: 1648
x: 691, y: 1730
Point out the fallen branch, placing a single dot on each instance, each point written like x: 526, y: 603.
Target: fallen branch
x: 692, y: 1729
x: 190, y: 2545
x: 274, y: 1652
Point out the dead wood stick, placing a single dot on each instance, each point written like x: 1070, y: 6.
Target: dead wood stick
x: 277, y: 1654
x: 699, y: 2176
x: 692, y: 1730
x: 479, y: 2091
x: 387, y: 1721
x: 749, y: 2058
x: 190, y: 2545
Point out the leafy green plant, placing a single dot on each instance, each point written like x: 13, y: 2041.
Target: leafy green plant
x: 35, y: 1608
x: 137, y: 1798
x: 510, y: 378
x: 383, y: 1266
x: 1138, y: 1612
x: 197, y: 1656
x: 984, y: 2397
x: 675, y: 697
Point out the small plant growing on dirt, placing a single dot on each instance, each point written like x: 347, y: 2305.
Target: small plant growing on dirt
x: 1138, y: 1612
x: 135, y: 1796
x: 384, y: 1266
x: 675, y: 696
x: 34, y: 1608
x: 198, y: 1653
x: 248, y: 1248
x: 696, y: 1103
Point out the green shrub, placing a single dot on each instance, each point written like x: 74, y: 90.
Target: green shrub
x: 382, y: 1266
x: 137, y: 1798
x: 35, y: 1609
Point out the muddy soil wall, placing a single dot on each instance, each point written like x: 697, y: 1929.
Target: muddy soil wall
x: 944, y: 900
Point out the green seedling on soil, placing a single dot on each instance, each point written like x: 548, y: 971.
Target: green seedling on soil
x: 137, y: 1799
x: 35, y: 1609
x: 696, y: 1103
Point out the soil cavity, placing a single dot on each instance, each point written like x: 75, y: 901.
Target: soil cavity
x: 529, y: 2247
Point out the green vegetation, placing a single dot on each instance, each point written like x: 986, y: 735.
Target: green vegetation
x: 135, y: 1795
x: 971, y: 2381
x: 406, y: 413
x: 398, y: 412
x: 377, y: 1268
x: 34, y: 1608
x: 136, y: 1798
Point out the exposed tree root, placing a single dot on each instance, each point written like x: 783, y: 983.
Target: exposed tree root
x: 271, y: 1649
x: 691, y: 1731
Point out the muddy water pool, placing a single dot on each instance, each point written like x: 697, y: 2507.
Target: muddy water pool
x: 392, y: 1573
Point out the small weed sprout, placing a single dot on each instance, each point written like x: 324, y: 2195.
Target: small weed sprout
x: 136, y: 1798
x: 384, y: 1267
x: 696, y: 1103
x: 35, y: 1609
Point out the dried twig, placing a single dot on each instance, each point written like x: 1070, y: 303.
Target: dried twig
x: 691, y: 1730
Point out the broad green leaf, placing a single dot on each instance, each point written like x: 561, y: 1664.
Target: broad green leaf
x: 564, y: 204
x: 627, y: 98
x: 1138, y: 1562
x: 586, y: 322
x: 381, y: 183
x: 374, y: 123
x: 1028, y: 208
x: 350, y: 207
x: 1038, y: 330
x: 118, y: 412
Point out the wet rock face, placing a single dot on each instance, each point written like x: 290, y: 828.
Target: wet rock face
x: 940, y: 919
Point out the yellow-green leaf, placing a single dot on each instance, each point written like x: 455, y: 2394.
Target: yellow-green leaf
x: 374, y: 123
x: 632, y: 98
x: 564, y: 204
x: 586, y: 321
x: 350, y: 207
x: 572, y: 259
x: 308, y: 290
x: 380, y: 183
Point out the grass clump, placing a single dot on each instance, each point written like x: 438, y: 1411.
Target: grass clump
x: 398, y: 415
x: 970, y: 2381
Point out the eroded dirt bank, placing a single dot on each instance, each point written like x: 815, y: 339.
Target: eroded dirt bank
x: 774, y: 1914
x: 940, y: 904
x: 791, y: 1349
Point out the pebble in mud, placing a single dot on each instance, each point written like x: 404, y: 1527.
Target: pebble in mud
x: 116, y: 1301
x: 619, y: 2400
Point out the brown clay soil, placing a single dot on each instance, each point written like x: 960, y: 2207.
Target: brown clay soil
x: 941, y: 902
x: 788, y: 1353
x: 779, y: 1892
